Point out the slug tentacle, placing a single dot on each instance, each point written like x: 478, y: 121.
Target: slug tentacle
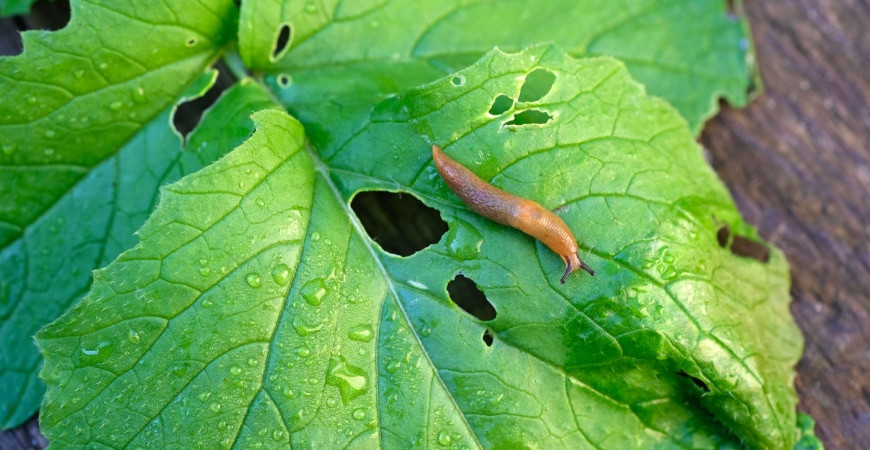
x: 509, y: 209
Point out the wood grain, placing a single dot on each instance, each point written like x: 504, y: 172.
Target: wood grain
x: 798, y: 164
x: 797, y: 161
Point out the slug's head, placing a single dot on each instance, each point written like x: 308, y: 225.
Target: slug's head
x: 572, y: 263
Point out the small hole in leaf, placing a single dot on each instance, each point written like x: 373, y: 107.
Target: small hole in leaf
x: 536, y: 86
x: 697, y: 381
x: 191, y: 42
x: 458, y: 80
x: 531, y: 116
x: 501, y: 104
x: 281, y: 42
x: 188, y: 114
x: 465, y: 293
x: 487, y: 337
x: 742, y: 246
x: 399, y: 222
x: 284, y: 80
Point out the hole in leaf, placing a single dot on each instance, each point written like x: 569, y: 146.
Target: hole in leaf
x: 458, y: 80
x: 742, y: 246
x: 399, y: 222
x: 501, y: 104
x: 188, y: 114
x: 531, y: 116
x: 191, y: 42
x: 283, y: 80
x: 487, y: 337
x: 50, y: 16
x: 697, y: 381
x: 536, y: 86
x: 465, y: 293
x: 281, y: 42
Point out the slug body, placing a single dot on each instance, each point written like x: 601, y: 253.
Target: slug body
x: 509, y: 209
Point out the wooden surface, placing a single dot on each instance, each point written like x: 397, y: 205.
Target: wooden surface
x: 797, y: 160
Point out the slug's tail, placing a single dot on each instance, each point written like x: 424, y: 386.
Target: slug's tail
x: 572, y: 263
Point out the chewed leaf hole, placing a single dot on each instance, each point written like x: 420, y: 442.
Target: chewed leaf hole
x: 399, y: 222
x: 536, y: 86
x: 487, y: 337
x: 531, y: 116
x: 188, y: 114
x: 281, y: 43
x: 742, y: 246
x: 465, y: 293
x: 284, y: 80
x: 501, y: 104
x: 696, y: 381
x: 458, y: 80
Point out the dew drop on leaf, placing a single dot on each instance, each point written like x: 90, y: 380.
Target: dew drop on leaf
x: 302, y: 352
x: 281, y: 274
x: 304, y: 329
x: 133, y: 336
x: 359, y: 414
x: 235, y: 370
x: 253, y: 280
x: 215, y: 406
x: 444, y: 438
x: 361, y: 333
x: 350, y: 380
x: 314, y: 291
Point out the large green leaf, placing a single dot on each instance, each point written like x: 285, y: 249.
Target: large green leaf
x: 48, y: 268
x: 342, y: 56
x: 76, y: 95
x: 86, y: 139
x: 255, y: 309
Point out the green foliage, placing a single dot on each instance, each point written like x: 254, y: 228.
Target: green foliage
x: 256, y: 309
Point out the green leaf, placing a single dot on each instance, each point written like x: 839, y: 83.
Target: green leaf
x: 14, y: 7
x: 49, y: 268
x: 74, y: 96
x: 344, y: 56
x: 255, y: 309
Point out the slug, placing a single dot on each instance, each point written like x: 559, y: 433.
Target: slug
x: 511, y: 210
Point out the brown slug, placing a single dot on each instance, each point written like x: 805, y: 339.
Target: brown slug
x: 509, y: 209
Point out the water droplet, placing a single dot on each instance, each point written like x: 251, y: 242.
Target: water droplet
x: 288, y: 393
x: 304, y: 329
x: 314, y: 291
x: 31, y: 100
x: 222, y: 425
x: 359, y: 414
x: 310, y: 8
x: 277, y: 435
x: 361, y: 333
x: 97, y: 353
x: 48, y: 152
x: 252, y: 361
x: 281, y: 274
x: 331, y: 402
x: 79, y: 73
x: 8, y: 149
x: 444, y: 438
x: 204, y: 271
x: 104, y: 66
x: 350, y: 380
x: 315, y: 236
x: 215, y: 406
x: 302, y: 352
x: 49, y: 133
x: 114, y: 106
x: 133, y: 336
x: 253, y: 280
x: 260, y: 202
x: 235, y: 370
